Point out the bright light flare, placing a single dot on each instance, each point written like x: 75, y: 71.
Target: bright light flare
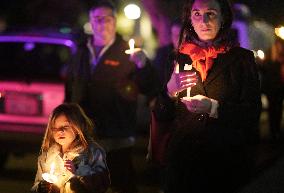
x: 260, y: 54
x: 50, y: 177
x: 132, y: 11
x: 279, y: 31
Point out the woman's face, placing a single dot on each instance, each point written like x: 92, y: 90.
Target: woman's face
x: 63, y: 132
x: 206, y: 19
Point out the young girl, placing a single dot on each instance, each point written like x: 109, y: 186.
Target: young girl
x: 70, y: 154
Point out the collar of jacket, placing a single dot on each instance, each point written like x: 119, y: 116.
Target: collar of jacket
x: 73, y: 152
x: 93, y: 57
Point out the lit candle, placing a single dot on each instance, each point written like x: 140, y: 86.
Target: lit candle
x: 50, y: 177
x: 177, y: 68
x: 188, y: 67
x: 131, y: 45
x: 52, y: 168
x: 188, y: 92
x: 132, y: 49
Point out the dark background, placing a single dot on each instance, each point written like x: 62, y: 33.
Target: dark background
x: 271, y: 11
x: 72, y: 13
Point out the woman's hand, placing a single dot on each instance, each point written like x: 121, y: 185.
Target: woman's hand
x: 198, y: 104
x: 69, y: 165
x: 181, y: 81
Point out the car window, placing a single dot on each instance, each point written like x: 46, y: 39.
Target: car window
x: 33, y: 61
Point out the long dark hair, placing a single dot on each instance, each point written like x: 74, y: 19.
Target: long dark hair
x: 187, y: 31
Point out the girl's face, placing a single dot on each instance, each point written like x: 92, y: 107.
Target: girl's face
x: 63, y: 132
x: 206, y: 19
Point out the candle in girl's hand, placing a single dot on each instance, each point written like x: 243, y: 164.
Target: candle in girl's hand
x: 50, y: 177
x: 132, y: 49
x: 52, y: 168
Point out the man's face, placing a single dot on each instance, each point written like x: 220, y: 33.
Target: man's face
x: 103, y: 24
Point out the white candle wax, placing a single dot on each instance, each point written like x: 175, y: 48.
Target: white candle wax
x: 132, y: 48
x: 177, y: 68
x: 188, y: 67
x: 131, y: 44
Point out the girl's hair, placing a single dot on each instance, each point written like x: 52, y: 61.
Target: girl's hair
x: 187, y: 31
x: 78, y: 120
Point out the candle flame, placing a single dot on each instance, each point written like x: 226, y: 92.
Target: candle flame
x: 52, y: 168
x: 50, y: 177
x: 131, y: 44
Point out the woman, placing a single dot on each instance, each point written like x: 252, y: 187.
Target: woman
x: 207, y: 150
x: 69, y: 153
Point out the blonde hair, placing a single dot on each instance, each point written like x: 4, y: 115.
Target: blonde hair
x: 79, y: 121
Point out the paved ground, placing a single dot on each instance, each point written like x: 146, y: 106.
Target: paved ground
x: 269, y: 180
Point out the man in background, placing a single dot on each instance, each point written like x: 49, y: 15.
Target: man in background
x: 105, y: 82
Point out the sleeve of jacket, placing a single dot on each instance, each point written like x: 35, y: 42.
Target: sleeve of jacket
x: 245, y: 111
x: 98, y: 181
x: 164, y: 107
x: 147, y: 80
x: 38, y: 177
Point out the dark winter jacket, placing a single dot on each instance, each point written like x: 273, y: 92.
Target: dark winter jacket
x: 108, y: 92
x: 91, y: 173
x: 208, y: 154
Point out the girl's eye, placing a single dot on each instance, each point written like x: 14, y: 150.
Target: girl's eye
x: 211, y: 14
x: 67, y: 128
x: 63, y: 128
x: 196, y: 14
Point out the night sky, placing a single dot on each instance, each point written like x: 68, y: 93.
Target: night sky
x: 69, y: 12
x: 270, y: 10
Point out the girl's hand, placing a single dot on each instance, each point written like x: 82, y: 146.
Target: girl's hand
x: 68, y: 164
x: 198, y: 104
x: 181, y: 81
x: 44, y: 187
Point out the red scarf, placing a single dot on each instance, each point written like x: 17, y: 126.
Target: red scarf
x: 202, y: 58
